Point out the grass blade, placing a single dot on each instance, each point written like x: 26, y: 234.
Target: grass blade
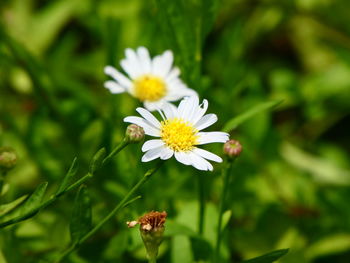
x: 236, y: 121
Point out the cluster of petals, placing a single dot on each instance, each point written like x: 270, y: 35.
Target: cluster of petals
x: 138, y: 64
x: 156, y: 83
x: 193, y: 114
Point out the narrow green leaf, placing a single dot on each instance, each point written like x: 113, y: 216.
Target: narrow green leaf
x: 81, y: 220
x: 179, y: 27
x: 68, y: 178
x: 97, y: 160
x: 236, y: 121
x: 269, y: 257
x: 7, y: 208
x: 33, y: 202
x: 225, y: 219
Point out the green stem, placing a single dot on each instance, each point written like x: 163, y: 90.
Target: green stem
x: 226, y: 172
x: 53, y: 198
x: 201, y: 201
x: 115, y: 151
x: 2, y: 181
x: 121, y: 204
x: 152, y: 260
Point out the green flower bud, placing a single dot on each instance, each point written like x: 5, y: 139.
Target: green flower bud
x: 134, y: 133
x: 232, y: 148
x: 8, y: 159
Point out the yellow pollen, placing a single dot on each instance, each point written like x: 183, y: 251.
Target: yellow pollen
x: 149, y: 88
x: 178, y: 134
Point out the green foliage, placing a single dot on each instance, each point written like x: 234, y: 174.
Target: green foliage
x: 81, y: 220
x: 269, y: 257
x: 237, y: 120
x: 68, y: 177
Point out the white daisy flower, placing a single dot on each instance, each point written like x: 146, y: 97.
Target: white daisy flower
x: 179, y: 133
x: 152, y: 81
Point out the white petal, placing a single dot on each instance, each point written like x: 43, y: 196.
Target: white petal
x: 183, y: 158
x: 165, y: 63
x: 174, y: 73
x: 144, y: 59
x: 130, y: 68
x: 178, y: 92
x: 200, y: 163
x: 166, y: 153
x: 206, y: 121
x: 149, y: 117
x: 133, y: 61
x: 153, y: 106
x: 210, y: 137
x: 169, y: 110
x: 187, y: 107
x: 157, y: 65
x: 200, y: 111
x: 119, y: 77
x: 151, y: 144
x: 148, y: 128
x: 113, y: 87
x: 152, y: 154
x: 207, y: 155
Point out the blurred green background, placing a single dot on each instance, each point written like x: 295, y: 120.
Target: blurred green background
x: 290, y: 187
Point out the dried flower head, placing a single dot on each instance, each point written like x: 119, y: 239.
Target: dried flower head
x: 232, y: 148
x: 151, y: 229
x: 152, y: 221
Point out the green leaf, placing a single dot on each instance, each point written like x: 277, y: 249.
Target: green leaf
x: 68, y: 178
x: 334, y: 244
x: 29, y: 208
x: 236, y: 121
x: 225, y: 219
x: 179, y: 27
x: 97, y: 160
x: 269, y: 257
x: 6, y: 208
x: 81, y: 220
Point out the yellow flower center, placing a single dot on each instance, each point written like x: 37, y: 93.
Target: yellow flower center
x: 178, y: 134
x: 149, y: 88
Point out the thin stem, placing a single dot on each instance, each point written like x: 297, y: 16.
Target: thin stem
x: 2, y: 181
x: 152, y: 260
x: 226, y: 173
x: 120, y: 205
x: 53, y: 198
x: 201, y: 201
x: 115, y: 151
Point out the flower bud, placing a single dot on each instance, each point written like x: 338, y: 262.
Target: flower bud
x: 134, y: 133
x: 232, y: 148
x: 8, y: 159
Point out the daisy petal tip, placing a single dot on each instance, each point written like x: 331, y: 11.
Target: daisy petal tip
x: 108, y: 69
x: 127, y: 119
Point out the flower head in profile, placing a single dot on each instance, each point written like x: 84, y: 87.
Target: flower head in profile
x: 152, y: 81
x: 179, y: 133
